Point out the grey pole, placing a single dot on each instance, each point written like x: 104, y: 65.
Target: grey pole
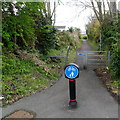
x: 76, y: 50
x: 66, y: 58
x: 100, y: 42
x: 108, y: 58
x: 85, y: 60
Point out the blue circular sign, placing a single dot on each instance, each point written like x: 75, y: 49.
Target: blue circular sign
x: 71, y: 72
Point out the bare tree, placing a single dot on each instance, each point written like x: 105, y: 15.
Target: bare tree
x: 100, y: 8
x: 49, y: 8
x: 113, y: 9
x: 52, y: 11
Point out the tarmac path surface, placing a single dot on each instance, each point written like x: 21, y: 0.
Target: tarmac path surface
x: 94, y: 101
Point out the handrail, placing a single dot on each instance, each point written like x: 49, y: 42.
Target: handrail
x: 66, y: 58
x: 56, y: 56
x: 76, y: 50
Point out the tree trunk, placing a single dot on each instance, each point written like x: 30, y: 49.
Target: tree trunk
x: 113, y: 9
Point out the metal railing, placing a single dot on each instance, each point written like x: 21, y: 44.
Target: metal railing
x: 66, y: 58
x: 96, y: 58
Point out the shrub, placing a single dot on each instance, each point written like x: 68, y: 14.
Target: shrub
x: 115, y: 60
x: 85, y: 37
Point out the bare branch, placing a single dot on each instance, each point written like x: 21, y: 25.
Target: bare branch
x: 99, y: 4
x: 95, y: 11
x: 104, y: 7
x: 109, y: 8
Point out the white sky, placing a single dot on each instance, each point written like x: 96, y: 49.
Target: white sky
x: 72, y: 16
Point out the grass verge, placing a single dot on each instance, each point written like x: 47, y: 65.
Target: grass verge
x: 93, y: 44
x: 22, y: 77
x: 27, y: 73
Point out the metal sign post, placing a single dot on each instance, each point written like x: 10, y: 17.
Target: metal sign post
x: 71, y: 73
x: 72, y: 89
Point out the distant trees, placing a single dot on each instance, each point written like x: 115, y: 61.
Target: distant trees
x: 85, y: 37
x: 93, y: 30
x: 71, y: 29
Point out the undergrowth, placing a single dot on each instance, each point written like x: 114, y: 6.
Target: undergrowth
x: 94, y: 45
x: 26, y: 72
x: 22, y: 77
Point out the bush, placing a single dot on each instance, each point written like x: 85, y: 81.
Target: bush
x: 85, y: 37
x: 23, y: 77
x: 115, y: 60
x: 12, y: 66
x: 64, y: 39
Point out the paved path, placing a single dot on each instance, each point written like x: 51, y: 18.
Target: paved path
x: 93, y: 99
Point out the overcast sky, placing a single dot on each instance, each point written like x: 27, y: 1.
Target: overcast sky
x: 72, y: 16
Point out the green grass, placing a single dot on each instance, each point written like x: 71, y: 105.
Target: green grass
x: 93, y: 44
x: 11, y: 65
x: 23, y: 77
x: 116, y: 83
x: 63, y: 52
x: 72, y: 55
x: 78, y: 44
